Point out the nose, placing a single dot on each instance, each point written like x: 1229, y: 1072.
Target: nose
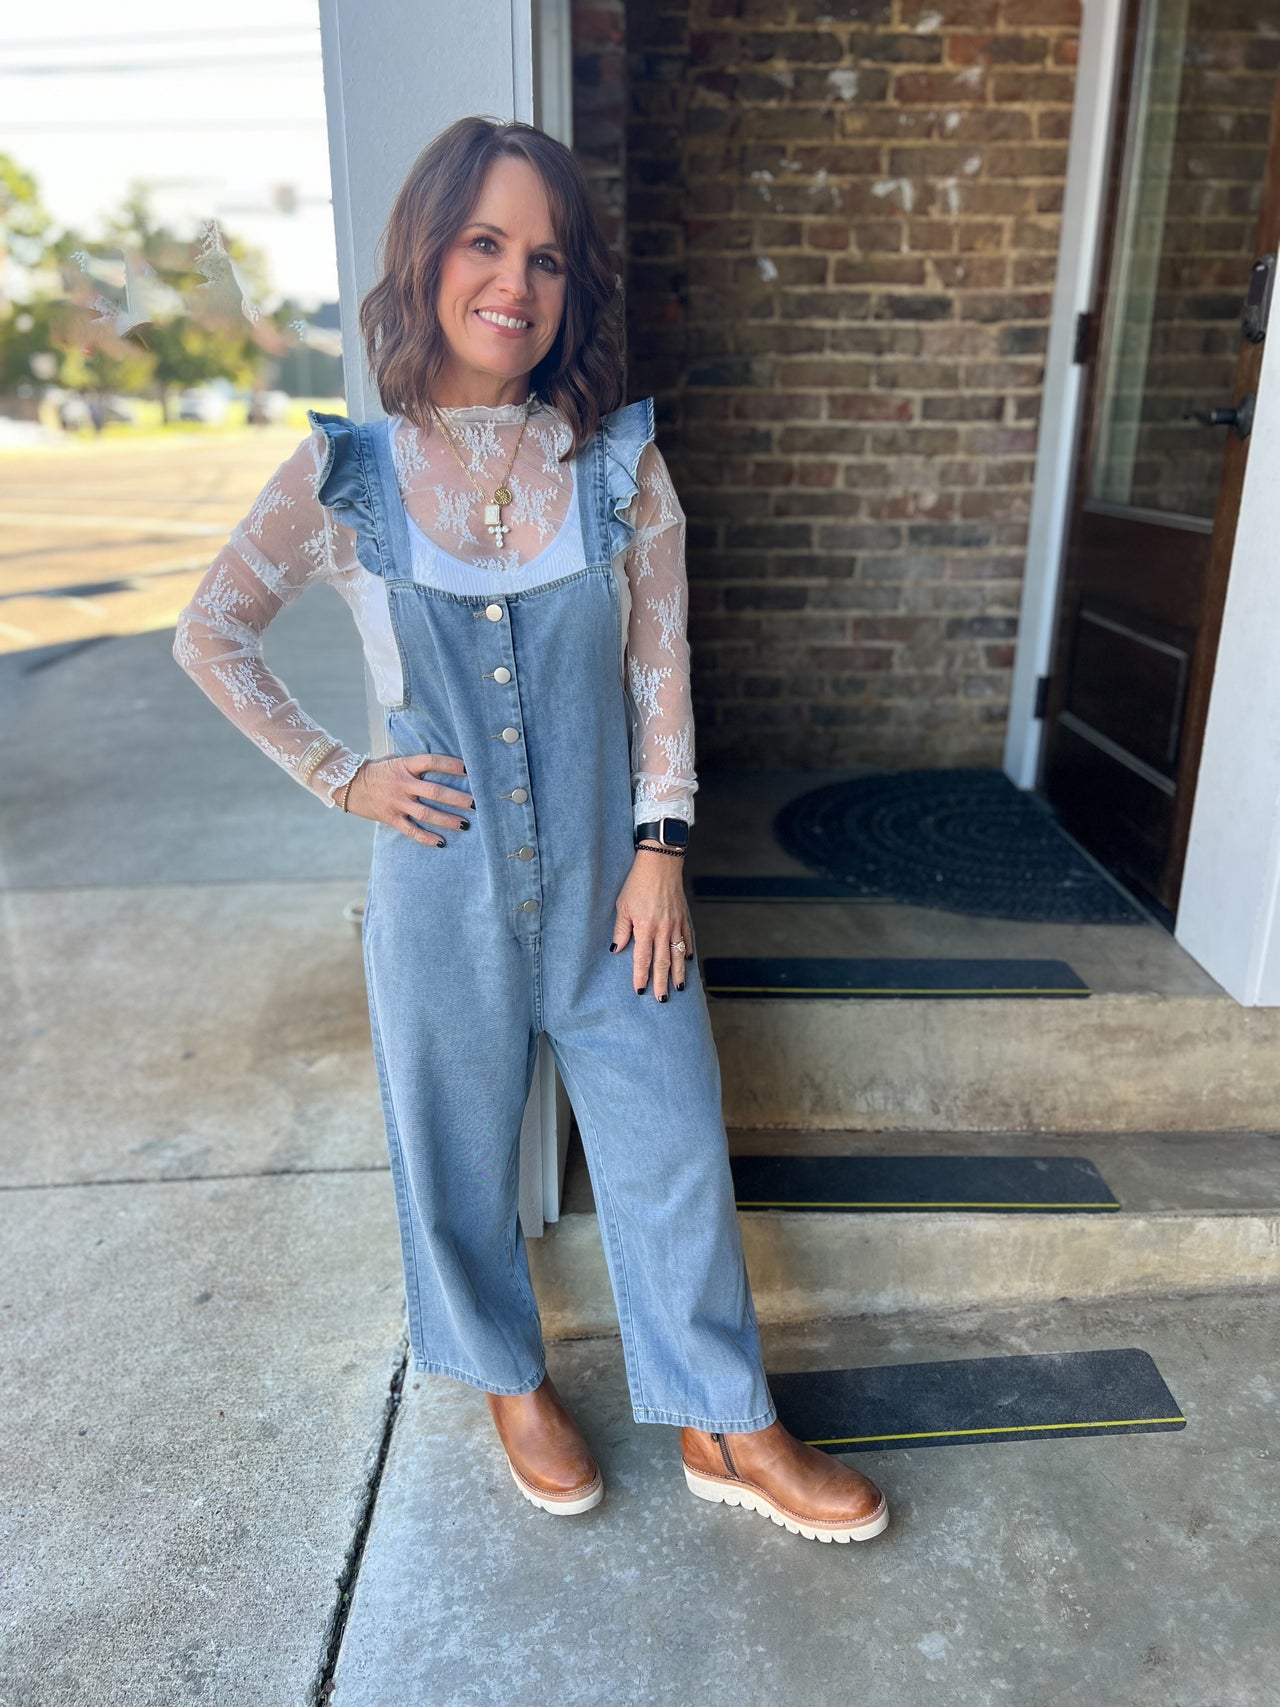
x: 512, y: 279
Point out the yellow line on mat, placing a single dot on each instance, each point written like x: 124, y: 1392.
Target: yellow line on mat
x: 1011, y: 1428
x: 911, y: 1203
x: 887, y: 990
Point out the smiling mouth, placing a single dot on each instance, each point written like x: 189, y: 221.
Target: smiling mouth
x: 504, y: 323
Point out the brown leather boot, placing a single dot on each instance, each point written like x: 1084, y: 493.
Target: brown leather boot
x: 550, y: 1462
x: 806, y: 1491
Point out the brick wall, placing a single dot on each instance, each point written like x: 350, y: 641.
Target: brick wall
x: 600, y: 111
x: 842, y: 219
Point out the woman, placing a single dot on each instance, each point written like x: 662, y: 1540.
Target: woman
x: 513, y: 553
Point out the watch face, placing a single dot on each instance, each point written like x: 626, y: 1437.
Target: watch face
x: 675, y: 832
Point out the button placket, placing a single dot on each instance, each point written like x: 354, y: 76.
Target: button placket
x: 502, y: 675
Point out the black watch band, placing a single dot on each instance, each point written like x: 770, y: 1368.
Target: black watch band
x: 670, y: 832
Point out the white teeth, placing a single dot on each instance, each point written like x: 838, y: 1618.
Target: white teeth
x: 502, y: 319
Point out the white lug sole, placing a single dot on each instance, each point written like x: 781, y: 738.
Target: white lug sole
x: 734, y: 1493
x: 557, y: 1507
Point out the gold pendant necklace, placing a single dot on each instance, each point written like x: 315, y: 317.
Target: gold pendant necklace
x: 493, y: 507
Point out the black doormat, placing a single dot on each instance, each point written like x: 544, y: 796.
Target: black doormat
x: 965, y: 841
x: 1006, y: 1184
x: 724, y: 888
x: 778, y: 975
x: 978, y: 1400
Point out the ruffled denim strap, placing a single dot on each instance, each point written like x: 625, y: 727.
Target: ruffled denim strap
x: 626, y: 432
x: 357, y: 483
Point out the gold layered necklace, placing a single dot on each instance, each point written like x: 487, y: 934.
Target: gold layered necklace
x: 493, y: 506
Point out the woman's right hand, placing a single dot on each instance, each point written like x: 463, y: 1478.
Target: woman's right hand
x: 391, y: 791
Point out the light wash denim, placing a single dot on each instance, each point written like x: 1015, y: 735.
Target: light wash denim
x: 472, y: 950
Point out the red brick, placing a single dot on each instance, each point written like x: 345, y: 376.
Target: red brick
x: 1027, y: 14
x: 956, y: 14
x: 883, y: 269
x: 972, y: 272
x: 942, y: 88
x: 998, y: 50
x: 869, y: 406
x: 1033, y: 87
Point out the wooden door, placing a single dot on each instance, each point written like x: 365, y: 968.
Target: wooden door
x: 1193, y: 212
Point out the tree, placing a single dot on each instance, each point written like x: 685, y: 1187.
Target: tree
x: 192, y: 305
x: 144, y: 308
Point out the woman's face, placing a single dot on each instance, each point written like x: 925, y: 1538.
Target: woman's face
x: 505, y: 260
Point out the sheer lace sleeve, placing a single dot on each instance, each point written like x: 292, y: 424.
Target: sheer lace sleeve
x: 663, y: 779
x: 286, y: 541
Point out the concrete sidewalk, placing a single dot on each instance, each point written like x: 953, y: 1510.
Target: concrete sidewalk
x: 1130, y: 1571
x: 200, y: 1292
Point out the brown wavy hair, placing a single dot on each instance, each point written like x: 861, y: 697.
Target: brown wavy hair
x: 582, y: 373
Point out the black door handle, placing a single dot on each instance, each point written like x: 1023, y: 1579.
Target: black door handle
x: 1240, y: 419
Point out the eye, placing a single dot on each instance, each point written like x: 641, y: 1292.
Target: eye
x: 552, y: 266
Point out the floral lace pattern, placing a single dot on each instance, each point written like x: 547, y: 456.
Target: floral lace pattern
x: 289, y: 541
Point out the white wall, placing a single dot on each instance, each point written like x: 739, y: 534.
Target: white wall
x: 1227, y: 915
x: 396, y: 72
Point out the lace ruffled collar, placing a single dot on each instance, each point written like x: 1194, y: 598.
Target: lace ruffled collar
x: 496, y: 412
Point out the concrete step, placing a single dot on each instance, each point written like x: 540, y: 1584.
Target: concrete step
x: 1157, y: 1046
x: 1198, y: 1213
x: 1109, y: 1062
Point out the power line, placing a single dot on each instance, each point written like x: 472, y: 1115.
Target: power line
x: 106, y: 67
x: 77, y: 127
x: 27, y: 44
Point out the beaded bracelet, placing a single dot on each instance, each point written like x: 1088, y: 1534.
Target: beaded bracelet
x: 346, y: 787
x: 649, y: 847
x: 313, y: 761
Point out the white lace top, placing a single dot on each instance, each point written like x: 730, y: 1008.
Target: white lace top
x: 290, y: 540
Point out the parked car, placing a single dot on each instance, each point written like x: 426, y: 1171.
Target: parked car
x: 77, y: 410
x: 267, y: 408
x: 201, y: 403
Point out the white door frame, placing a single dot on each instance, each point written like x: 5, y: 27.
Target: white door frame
x: 396, y: 72
x: 1088, y: 154
x: 1229, y: 907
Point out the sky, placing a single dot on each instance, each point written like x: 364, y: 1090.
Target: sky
x: 216, y: 117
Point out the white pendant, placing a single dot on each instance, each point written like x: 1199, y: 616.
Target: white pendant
x: 495, y: 524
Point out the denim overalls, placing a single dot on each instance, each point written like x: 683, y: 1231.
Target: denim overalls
x: 473, y: 949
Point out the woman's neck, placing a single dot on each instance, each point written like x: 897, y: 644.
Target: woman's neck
x: 477, y: 392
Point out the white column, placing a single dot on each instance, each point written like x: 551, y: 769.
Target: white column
x: 1227, y: 912
x: 396, y: 72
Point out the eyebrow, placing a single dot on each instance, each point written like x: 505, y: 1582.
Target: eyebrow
x: 483, y: 225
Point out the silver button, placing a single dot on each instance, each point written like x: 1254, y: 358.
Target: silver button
x: 493, y: 612
x: 519, y: 795
x: 525, y: 853
x: 528, y: 906
x: 502, y: 675
x: 510, y: 735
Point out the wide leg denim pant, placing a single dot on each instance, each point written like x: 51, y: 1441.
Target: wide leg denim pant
x: 474, y: 949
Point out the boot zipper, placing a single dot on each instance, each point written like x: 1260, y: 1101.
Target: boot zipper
x: 724, y: 1453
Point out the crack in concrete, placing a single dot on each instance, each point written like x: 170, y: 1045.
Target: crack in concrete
x: 195, y: 1179
x: 326, y: 1680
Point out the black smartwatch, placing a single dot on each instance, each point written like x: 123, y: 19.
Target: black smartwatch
x: 670, y: 832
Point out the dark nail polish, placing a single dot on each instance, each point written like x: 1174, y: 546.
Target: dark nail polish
x: 463, y: 825
x: 664, y: 998
x: 613, y: 948
x: 640, y: 992
x: 679, y: 986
